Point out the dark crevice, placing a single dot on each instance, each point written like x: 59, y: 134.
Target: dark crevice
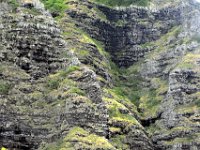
x: 149, y: 121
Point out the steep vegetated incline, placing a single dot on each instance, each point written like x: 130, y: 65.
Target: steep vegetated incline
x: 88, y: 74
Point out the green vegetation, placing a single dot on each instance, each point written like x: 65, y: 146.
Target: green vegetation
x: 32, y: 11
x: 87, y: 140
x: 14, y: 4
x: 151, y: 98
x: 53, y: 81
x: 78, y: 138
x: 59, y: 6
x: 9, y: 70
x: 4, y: 87
x: 161, y: 46
x: 76, y: 90
x: 84, y: 53
x: 189, y: 139
x: 130, y: 86
x: 114, y: 129
x: 53, y: 146
x: 120, y: 23
x: 69, y: 70
x: 87, y: 39
x: 121, y: 111
x: 123, y: 2
x: 197, y: 103
x: 119, y: 142
x: 149, y: 103
x: 56, y: 7
x: 189, y: 61
x: 116, y: 107
x: 187, y: 109
x: 121, y: 98
x: 152, y: 129
x: 59, y: 84
x: 197, y: 99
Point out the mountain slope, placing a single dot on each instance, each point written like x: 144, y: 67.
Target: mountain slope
x: 99, y: 77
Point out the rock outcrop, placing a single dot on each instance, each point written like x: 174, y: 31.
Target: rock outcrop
x: 45, y: 90
x: 125, y: 30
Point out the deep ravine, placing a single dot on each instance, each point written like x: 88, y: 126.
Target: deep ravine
x: 80, y: 75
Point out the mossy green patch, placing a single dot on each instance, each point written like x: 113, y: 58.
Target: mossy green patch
x: 179, y: 129
x: 56, y: 6
x: 78, y: 138
x: 119, y: 142
x: 152, y: 129
x: 151, y: 99
x: 129, y: 85
x: 87, y: 140
x: 126, y: 121
x: 14, y: 4
x: 118, y: 95
x: 113, y: 3
x: 87, y: 39
x: 36, y: 95
x: 114, y: 129
x: 149, y: 104
x: 188, y: 109
x: 161, y: 46
x: 84, y: 53
x: 197, y: 99
x: 54, y: 80
x: 190, y: 61
x: 76, y: 90
x: 11, y: 71
x: 185, y: 140
x: 32, y: 11
x: 117, y: 109
x: 70, y: 69
x: 4, y: 87
x: 53, y: 83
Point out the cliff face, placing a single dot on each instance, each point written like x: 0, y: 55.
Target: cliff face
x: 127, y: 29
x: 97, y: 77
x: 38, y: 89
x: 31, y: 48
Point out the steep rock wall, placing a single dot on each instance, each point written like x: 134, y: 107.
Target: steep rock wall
x: 45, y: 90
x: 125, y: 30
x: 163, y: 38
x: 58, y: 85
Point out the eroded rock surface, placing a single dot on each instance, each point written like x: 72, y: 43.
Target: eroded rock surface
x: 41, y: 99
x: 61, y: 85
